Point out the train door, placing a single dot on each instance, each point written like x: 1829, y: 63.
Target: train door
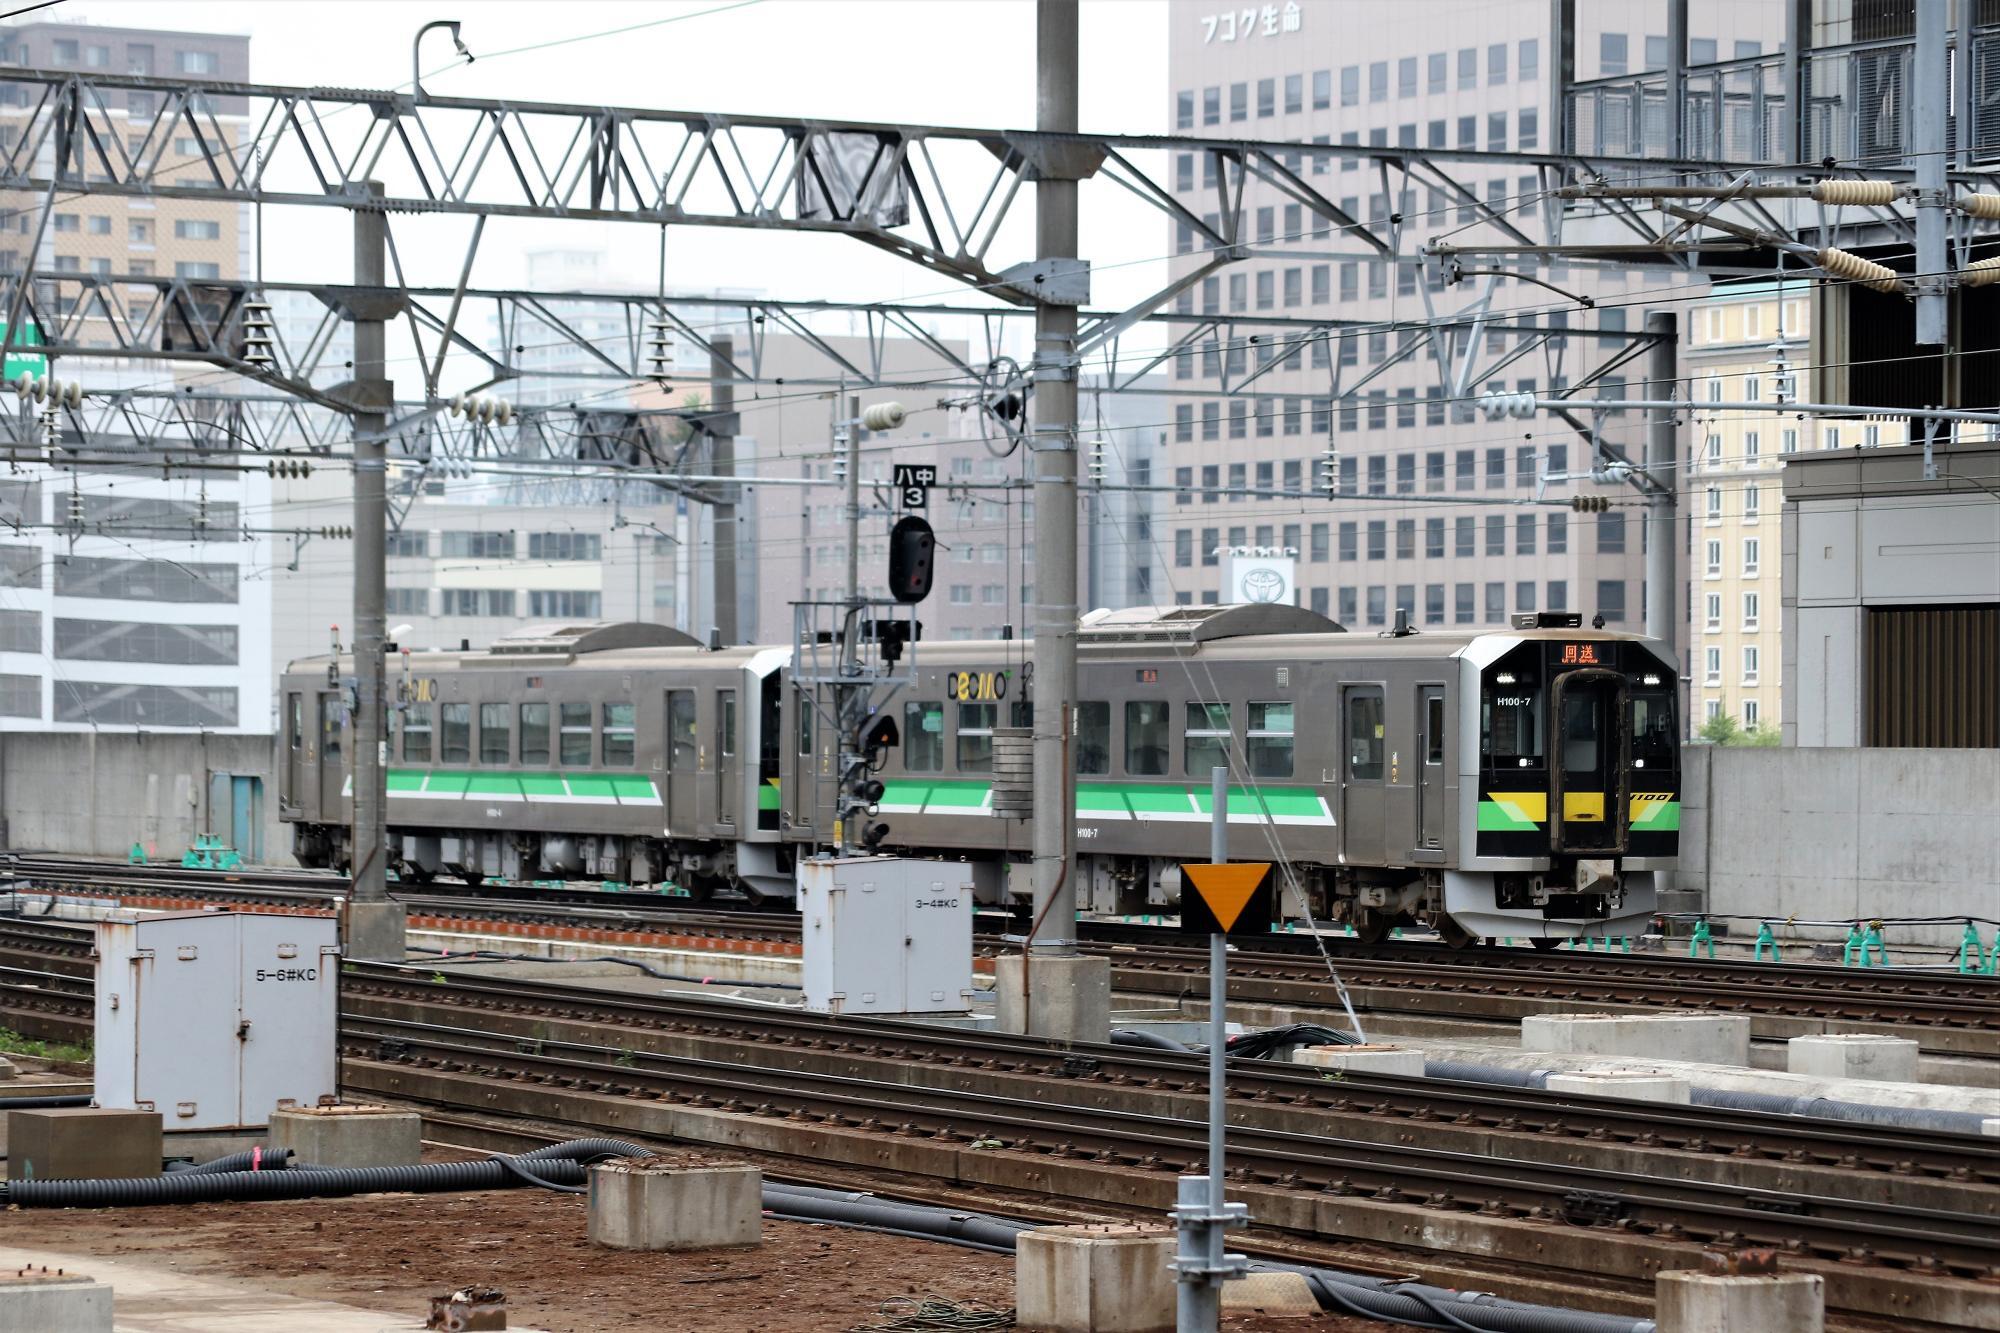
x: 1432, y: 809
x: 1363, y: 791
x: 1589, y: 803
x: 332, y: 763
x: 770, y: 742
x: 295, y: 750
x: 680, y: 748
x: 725, y: 757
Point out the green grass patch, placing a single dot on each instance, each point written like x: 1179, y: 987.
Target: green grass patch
x: 13, y: 1043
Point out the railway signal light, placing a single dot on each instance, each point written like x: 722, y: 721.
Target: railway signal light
x: 912, y: 556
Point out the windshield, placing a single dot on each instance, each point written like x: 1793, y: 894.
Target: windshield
x: 1652, y: 729
x: 1510, y: 723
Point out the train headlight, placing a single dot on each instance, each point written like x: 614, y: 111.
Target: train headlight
x: 1649, y: 680
x: 1504, y: 678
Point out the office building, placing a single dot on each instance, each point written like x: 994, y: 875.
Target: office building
x: 1434, y: 508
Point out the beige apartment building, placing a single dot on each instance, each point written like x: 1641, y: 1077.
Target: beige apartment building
x: 107, y: 234
x: 1746, y: 343
x: 1434, y: 509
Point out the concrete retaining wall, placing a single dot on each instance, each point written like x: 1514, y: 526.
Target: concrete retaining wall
x: 87, y: 794
x: 1842, y: 834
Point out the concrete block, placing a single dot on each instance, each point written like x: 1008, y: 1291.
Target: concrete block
x: 1370, y: 1059
x: 1701, y: 1038
x: 82, y: 1143
x: 1853, y: 1055
x: 374, y: 932
x: 349, y: 1135
x: 1631, y: 1085
x: 1095, y: 1279
x: 52, y: 1301
x: 1067, y: 999
x: 1690, y: 1302
x: 1269, y: 1294
x: 684, y: 1202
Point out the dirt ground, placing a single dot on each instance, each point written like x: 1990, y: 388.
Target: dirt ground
x: 394, y: 1252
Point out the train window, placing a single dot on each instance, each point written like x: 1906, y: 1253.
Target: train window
x: 1434, y: 729
x: 575, y: 735
x: 804, y: 704
x: 295, y: 728
x: 1652, y: 729
x: 1146, y: 738
x: 1268, y: 741
x: 496, y: 746
x: 725, y: 724
x: 1582, y: 728
x: 455, y: 746
x: 1093, y: 738
x: 329, y: 727
x: 681, y: 749
x: 417, y: 733
x: 618, y: 719
x: 975, y: 737
x: 680, y: 732
x: 1510, y: 725
x: 1207, y: 745
x: 923, y: 736
x: 534, y: 735
x: 1365, y: 737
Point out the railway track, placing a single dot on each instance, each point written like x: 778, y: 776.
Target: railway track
x: 1950, y: 1012
x: 1522, y: 1171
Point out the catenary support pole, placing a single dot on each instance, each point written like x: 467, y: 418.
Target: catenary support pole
x: 1664, y: 612
x: 721, y: 400
x: 1048, y: 989
x: 1676, y: 77
x: 1930, y: 85
x: 1053, y: 461
x: 374, y: 924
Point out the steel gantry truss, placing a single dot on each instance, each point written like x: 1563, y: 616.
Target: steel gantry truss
x: 941, y: 197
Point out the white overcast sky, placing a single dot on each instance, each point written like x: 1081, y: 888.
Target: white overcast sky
x: 951, y: 62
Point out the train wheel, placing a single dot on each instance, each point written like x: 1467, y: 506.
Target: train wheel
x: 1454, y: 935
x: 1371, y: 927
x: 1544, y: 943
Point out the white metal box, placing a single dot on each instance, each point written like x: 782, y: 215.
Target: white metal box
x: 214, y: 1019
x: 885, y: 935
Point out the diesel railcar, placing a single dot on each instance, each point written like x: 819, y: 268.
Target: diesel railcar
x: 1510, y: 782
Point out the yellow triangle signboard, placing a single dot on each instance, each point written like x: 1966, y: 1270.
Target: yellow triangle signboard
x: 1221, y: 894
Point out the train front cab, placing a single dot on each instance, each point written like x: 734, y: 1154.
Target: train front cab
x: 1575, y: 797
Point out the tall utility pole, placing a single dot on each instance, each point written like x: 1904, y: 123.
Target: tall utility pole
x: 721, y: 400
x: 374, y: 924
x: 1663, y: 595
x: 1930, y: 85
x: 1048, y: 989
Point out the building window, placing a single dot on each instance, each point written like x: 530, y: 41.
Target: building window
x: 1714, y: 549
x: 1434, y: 538
x: 1751, y: 604
x: 1712, y: 612
x: 1611, y: 53
x: 196, y: 229
x: 185, y: 269
x: 560, y: 604
x: 197, y: 62
x: 1752, y: 549
x: 1558, y: 595
x: 1468, y: 68
x: 1750, y: 664
x: 1524, y: 596
x: 1434, y: 604
x: 1715, y: 504
x: 1496, y: 534
x: 1462, y: 605
x: 1558, y: 534
x: 1184, y: 110
x: 1378, y: 539
x: 1239, y: 101
x: 1267, y: 98
x: 1295, y: 94
x: 1463, y: 540
x: 1750, y: 713
x: 1611, y: 600
x: 1378, y: 81
x: 1712, y: 664
x: 1749, y: 504
x: 1496, y: 63
x: 1611, y: 533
